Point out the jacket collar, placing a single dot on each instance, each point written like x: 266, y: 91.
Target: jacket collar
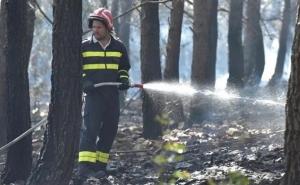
x: 94, y: 40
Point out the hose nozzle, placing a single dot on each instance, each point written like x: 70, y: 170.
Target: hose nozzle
x: 141, y: 86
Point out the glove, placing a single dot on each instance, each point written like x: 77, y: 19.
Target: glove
x: 124, y: 84
x: 87, y: 86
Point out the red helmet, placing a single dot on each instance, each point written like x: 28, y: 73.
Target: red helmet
x: 103, y: 15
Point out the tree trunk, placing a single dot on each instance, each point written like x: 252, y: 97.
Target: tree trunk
x: 115, y: 7
x: 64, y: 119
x: 104, y: 3
x: 124, y: 35
x: 236, y: 58
x: 284, y: 33
x: 3, y: 82
x: 276, y: 6
x: 204, y: 54
x: 150, y: 68
x: 254, y: 45
x: 125, y: 22
x: 292, y: 133
x: 20, y: 25
x: 171, y: 73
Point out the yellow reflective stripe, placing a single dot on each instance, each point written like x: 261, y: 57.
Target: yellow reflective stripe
x: 123, y: 76
x: 103, y: 160
x: 102, y: 154
x: 102, y: 157
x: 93, y: 54
x: 113, y: 54
x: 100, y: 66
x: 86, y: 156
x: 87, y: 159
x: 120, y: 71
x: 93, y: 66
x: 112, y: 66
x: 101, y: 54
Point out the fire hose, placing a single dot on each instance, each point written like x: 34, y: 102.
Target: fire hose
x: 44, y: 121
x: 140, y: 86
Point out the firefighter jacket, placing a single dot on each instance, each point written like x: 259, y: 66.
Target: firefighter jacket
x: 100, y: 64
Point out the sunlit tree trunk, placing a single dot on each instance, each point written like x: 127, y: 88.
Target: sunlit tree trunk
x: 284, y: 33
x: 125, y: 22
x: 150, y: 68
x: 292, y: 133
x: 115, y: 9
x: 204, y: 55
x: 20, y: 24
x: 61, y: 139
x: 254, y: 55
x: 124, y: 35
x: 236, y: 57
x: 171, y: 73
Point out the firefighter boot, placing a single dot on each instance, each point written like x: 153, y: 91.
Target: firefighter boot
x: 85, y: 171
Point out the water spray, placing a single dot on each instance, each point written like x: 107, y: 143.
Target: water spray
x: 189, y: 91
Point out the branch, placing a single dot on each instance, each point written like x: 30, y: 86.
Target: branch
x: 42, y: 12
x: 131, y: 151
x: 269, y: 34
x: 270, y: 19
x: 223, y: 10
x: 184, y: 11
x: 131, y: 9
x: 190, y: 2
x: 139, y: 5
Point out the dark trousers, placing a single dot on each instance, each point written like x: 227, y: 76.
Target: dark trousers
x: 99, y: 128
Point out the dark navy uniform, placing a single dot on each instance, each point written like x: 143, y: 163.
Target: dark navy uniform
x: 101, y: 108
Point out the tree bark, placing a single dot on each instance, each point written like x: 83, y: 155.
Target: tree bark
x: 171, y: 73
x: 104, y: 3
x: 20, y: 26
x: 3, y: 82
x: 150, y: 68
x: 253, y: 45
x: 64, y: 119
x: 204, y: 54
x: 284, y: 34
x: 115, y: 7
x: 292, y: 133
x: 236, y: 57
x: 124, y: 35
x: 125, y: 22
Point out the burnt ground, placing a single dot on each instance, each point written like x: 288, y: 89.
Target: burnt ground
x: 244, y: 137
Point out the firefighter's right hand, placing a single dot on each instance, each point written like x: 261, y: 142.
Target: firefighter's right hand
x: 87, y: 86
x: 124, y: 84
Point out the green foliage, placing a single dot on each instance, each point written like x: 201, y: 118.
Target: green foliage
x: 211, y: 182
x: 234, y: 178
x: 182, y: 174
x: 171, y: 152
x: 163, y: 119
x: 160, y: 160
x: 174, y: 147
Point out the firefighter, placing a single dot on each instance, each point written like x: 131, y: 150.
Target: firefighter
x: 105, y: 59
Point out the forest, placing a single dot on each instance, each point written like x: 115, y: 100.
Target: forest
x: 128, y: 92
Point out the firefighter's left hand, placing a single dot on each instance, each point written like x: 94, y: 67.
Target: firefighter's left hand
x: 124, y: 84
